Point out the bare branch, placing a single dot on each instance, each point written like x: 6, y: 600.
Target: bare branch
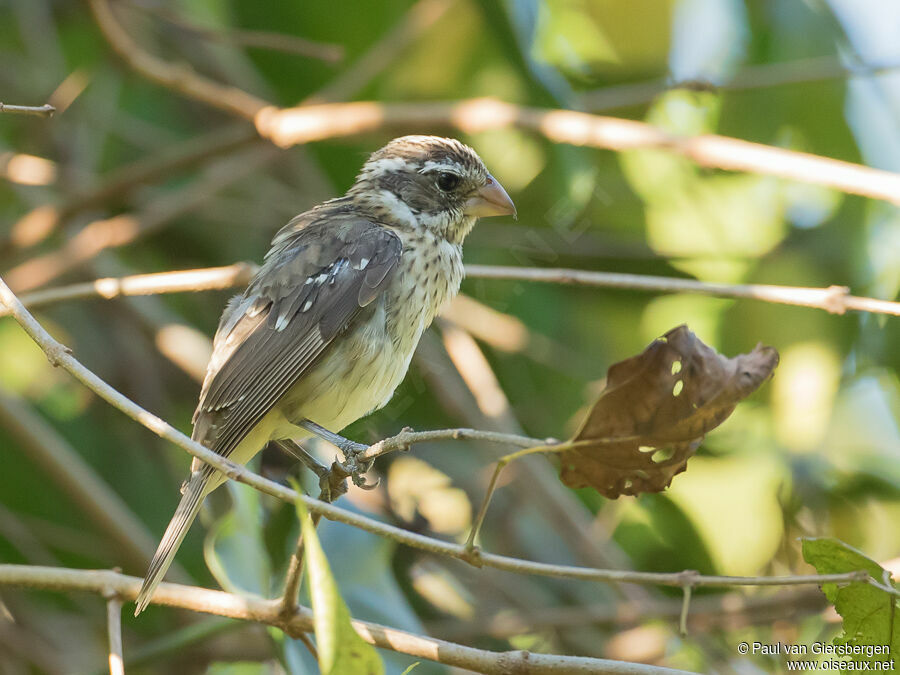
x: 42, y: 221
x: 61, y: 356
x: 45, y: 110
x: 306, y: 123
x: 282, y: 42
x: 290, y: 126
x: 420, y: 17
x: 731, y: 611
x: 205, y: 279
x: 834, y: 299
x: 178, y: 78
x: 121, y: 230
x: 114, y: 626
x: 251, y: 608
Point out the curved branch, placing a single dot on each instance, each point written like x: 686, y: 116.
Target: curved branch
x: 251, y: 608
x: 59, y: 355
x: 182, y: 79
x: 261, y: 39
x: 291, y: 126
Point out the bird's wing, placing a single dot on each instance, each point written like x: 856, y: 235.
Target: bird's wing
x: 316, y: 278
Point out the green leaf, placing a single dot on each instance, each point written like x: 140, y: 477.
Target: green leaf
x: 341, y: 650
x: 234, y: 549
x: 869, y: 613
x: 411, y: 667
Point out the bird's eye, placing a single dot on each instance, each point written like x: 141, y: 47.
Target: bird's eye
x: 447, y: 181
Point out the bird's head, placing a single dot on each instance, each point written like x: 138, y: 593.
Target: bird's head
x: 430, y: 182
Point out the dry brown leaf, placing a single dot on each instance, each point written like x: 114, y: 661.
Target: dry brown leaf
x: 654, y: 411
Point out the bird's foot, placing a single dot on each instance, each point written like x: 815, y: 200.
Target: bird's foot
x: 333, y: 479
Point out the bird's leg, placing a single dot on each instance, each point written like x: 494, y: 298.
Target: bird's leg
x: 351, y: 465
x: 345, y: 445
x: 332, y: 482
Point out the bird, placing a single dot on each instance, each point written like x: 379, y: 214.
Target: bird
x: 325, y: 330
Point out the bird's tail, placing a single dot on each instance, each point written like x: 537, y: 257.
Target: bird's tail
x: 187, y: 510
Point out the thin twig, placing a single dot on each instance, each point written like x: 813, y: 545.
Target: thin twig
x: 114, y: 626
x: 39, y: 223
x: 121, y: 230
x: 731, y: 611
x: 178, y: 78
x: 61, y: 356
x: 307, y: 123
x: 411, y: 26
x: 282, y: 42
x: 178, y: 641
x: 291, y: 126
x: 251, y: 608
x: 687, y: 591
x: 204, y: 279
x: 834, y: 299
x: 45, y: 110
x: 66, y: 469
x: 758, y: 76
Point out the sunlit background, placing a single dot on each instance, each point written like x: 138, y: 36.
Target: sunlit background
x: 815, y: 452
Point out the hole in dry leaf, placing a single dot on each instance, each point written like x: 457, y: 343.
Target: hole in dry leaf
x: 678, y: 387
x: 627, y: 484
x: 646, y: 448
x: 663, y: 455
x: 676, y: 367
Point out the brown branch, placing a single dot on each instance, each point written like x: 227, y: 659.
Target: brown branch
x: 290, y: 126
x: 125, y: 229
x: 205, y: 279
x: 45, y: 110
x: 306, y: 123
x: 834, y: 299
x: 41, y: 222
x: 252, y: 608
x: 61, y: 356
x: 182, y: 79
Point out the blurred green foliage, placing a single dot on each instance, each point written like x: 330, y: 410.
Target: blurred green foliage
x: 815, y: 453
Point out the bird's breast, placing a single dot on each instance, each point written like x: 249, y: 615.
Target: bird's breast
x: 428, y: 275
x: 366, y: 364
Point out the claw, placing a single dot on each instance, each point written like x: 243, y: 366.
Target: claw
x: 362, y: 483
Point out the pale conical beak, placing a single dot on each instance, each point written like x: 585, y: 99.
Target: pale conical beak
x: 490, y: 200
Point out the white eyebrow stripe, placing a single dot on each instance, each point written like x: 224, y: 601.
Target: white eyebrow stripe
x: 431, y: 165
